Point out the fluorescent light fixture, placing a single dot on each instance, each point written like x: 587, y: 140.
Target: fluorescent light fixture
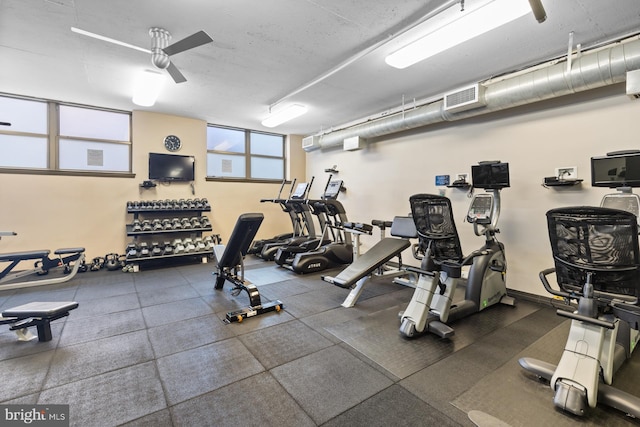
x: 108, y: 39
x: 147, y: 87
x: 284, y: 115
x: 469, y: 25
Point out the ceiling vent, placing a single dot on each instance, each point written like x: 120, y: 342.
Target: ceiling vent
x: 311, y: 142
x: 466, y: 98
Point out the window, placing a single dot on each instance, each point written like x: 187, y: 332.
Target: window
x: 244, y: 154
x: 49, y: 136
x: 94, y: 140
x: 24, y: 134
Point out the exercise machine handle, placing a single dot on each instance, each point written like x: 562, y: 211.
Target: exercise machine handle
x: 586, y: 319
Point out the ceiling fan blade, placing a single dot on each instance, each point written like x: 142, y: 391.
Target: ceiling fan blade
x: 107, y: 39
x: 194, y: 40
x: 176, y: 75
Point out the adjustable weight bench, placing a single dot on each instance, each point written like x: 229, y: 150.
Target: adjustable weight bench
x: 42, y: 265
x: 38, y: 314
x: 230, y: 259
x: 356, y: 275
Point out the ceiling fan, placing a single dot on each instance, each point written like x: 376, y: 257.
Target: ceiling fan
x: 160, y: 48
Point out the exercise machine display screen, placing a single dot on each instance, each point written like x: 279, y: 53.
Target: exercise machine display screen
x: 333, y: 189
x: 480, y: 209
x: 301, y: 190
x: 616, y: 171
x: 493, y: 175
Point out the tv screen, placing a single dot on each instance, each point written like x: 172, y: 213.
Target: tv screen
x: 490, y: 176
x: 171, y: 167
x: 621, y: 170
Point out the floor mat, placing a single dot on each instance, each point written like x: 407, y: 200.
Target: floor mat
x: 518, y: 398
x: 267, y: 274
x: 377, y: 337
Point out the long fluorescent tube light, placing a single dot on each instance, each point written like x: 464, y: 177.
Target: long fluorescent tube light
x: 284, y: 115
x: 468, y: 26
x: 147, y: 87
x: 107, y: 39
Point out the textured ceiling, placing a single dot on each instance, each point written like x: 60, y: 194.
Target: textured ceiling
x: 264, y: 51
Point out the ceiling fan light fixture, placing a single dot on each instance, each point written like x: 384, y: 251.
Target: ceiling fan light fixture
x: 147, y: 88
x: 284, y: 115
x: 468, y: 25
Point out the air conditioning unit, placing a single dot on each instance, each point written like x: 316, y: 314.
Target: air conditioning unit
x: 633, y: 84
x: 311, y: 142
x: 466, y: 98
x: 353, y: 143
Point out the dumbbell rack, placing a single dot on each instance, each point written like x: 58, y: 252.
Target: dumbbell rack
x: 142, y: 211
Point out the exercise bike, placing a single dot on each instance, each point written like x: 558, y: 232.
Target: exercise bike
x: 597, y: 265
x: 432, y: 305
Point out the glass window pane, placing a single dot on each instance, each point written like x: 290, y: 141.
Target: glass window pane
x: 267, y: 145
x: 262, y: 168
x: 24, y: 115
x: 23, y: 151
x: 89, y: 123
x: 224, y: 165
x: 222, y: 139
x: 93, y: 156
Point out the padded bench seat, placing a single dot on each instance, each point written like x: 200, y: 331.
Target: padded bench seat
x: 63, y: 251
x: 24, y: 255
x: 39, y: 314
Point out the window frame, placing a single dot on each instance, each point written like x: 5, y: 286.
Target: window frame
x: 247, y: 156
x: 53, y: 138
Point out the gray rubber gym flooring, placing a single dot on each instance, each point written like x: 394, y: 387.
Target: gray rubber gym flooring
x: 151, y: 349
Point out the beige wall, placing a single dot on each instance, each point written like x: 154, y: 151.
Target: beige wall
x: 534, y: 140
x: 50, y: 212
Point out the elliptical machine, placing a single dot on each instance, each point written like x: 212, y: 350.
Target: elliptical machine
x: 432, y: 305
x: 296, y: 206
x: 286, y: 253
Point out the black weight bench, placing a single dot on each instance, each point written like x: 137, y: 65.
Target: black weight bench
x: 42, y: 265
x: 230, y: 259
x: 356, y: 275
x: 38, y: 314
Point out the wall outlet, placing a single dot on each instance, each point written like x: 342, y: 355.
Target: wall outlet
x: 567, y: 172
x: 462, y: 177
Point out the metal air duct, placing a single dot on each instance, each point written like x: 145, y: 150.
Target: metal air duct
x: 599, y: 68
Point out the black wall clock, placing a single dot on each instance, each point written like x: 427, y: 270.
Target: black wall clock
x: 172, y: 143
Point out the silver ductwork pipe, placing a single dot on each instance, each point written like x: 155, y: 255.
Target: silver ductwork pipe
x: 602, y: 67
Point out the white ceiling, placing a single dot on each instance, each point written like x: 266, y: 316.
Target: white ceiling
x: 264, y: 50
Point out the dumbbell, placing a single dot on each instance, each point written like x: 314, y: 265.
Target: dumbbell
x: 132, y: 250
x: 186, y: 223
x: 144, y: 249
x: 167, y: 249
x: 200, y: 246
x: 156, y: 250
x: 178, y: 246
x: 188, y: 245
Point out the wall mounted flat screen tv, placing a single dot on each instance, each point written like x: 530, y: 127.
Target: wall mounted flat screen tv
x: 171, y: 167
x: 617, y: 170
x: 490, y: 176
